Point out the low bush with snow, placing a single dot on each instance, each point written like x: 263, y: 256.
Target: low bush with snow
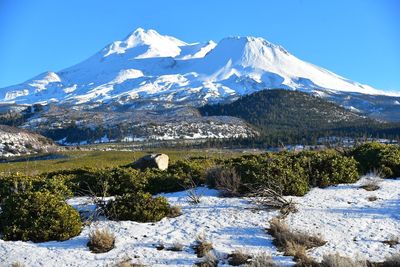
x: 377, y: 156
x: 140, y: 207
x: 38, y: 216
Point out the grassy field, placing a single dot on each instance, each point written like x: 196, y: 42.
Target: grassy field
x: 100, y: 159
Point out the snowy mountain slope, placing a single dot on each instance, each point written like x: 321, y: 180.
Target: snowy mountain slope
x: 147, y: 65
x: 15, y: 142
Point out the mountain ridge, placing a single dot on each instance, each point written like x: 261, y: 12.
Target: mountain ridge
x: 148, y: 66
x: 294, y: 116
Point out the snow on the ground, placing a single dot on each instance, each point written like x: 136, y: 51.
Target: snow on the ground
x: 352, y: 225
x: 229, y: 223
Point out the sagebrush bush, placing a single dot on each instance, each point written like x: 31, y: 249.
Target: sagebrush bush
x: 376, y: 156
x: 38, y: 216
x: 139, y: 206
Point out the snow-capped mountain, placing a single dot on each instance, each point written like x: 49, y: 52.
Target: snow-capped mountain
x: 147, y: 66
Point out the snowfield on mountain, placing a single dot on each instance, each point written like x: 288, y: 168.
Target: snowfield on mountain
x: 342, y: 215
x: 147, y: 65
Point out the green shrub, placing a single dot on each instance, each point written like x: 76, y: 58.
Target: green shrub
x: 19, y: 183
x: 162, y: 181
x: 102, y: 182
x: 124, y: 180
x: 178, y: 175
x: 16, y: 183
x: 139, y: 206
x: 82, y: 181
x: 192, y: 169
x: 325, y: 168
x: 375, y: 156
x: 38, y: 216
x: 278, y: 170
x: 294, y: 172
x: 56, y: 184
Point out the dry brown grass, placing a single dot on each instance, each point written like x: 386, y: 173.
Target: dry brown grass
x: 370, y: 187
x: 371, y: 183
x: 261, y: 260
x: 269, y: 196
x: 238, y: 258
x: 335, y: 260
x: 202, y: 246
x: 174, y: 211
x: 209, y: 260
x: 17, y: 264
x: 294, y: 243
x: 283, y: 235
x: 226, y: 180
x: 193, y: 197
x: 101, y: 240
x: 295, y: 249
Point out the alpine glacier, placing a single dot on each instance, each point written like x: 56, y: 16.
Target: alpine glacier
x: 147, y: 66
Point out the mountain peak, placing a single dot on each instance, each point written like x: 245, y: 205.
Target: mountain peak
x: 247, y: 51
x: 147, y: 65
x: 146, y: 44
x: 143, y: 35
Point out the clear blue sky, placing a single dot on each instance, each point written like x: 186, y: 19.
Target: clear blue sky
x: 358, y: 39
